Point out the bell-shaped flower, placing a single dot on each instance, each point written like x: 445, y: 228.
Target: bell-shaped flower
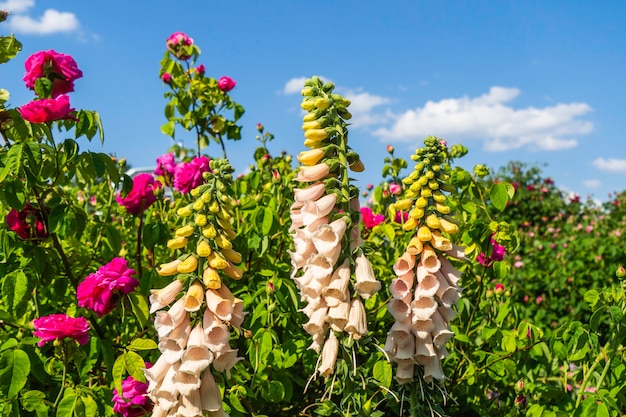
x: 316, y: 321
x: 357, y: 320
x: 441, y: 333
x: 225, y: 360
x: 400, y: 287
x: 220, y: 306
x: 329, y: 355
x: 313, y: 210
x: 312, y: 173
x: 190, y: 405
x: 238, y: 315
x: 457, y: 252
x: 310, y: 193
x: 355, y: 237
x: 423, y: 307
x: 428, y: 286
x: 404, y: 264
x: 366, y: 283
x: 448, y: 271
x: 164, y: 296
x: 448, y: 313
x: 400, y: 308
x: 424, y: 350
x: 433, y: 370
x: 328, y: 237
x: 210, y: 392
x: 338, y: 315
x: 156, y: 373
x: 173, y: 346
x: 400, y: 333
x: 186, y: 382
x: 197, y: 356
x: 166, y: 392
x: 430, y: 260
x: 337, y: 290
x: 422, y: 328
x: 165, y: 322
x: 404, y: 373
x: 440, y: 242
x: 194, y: 297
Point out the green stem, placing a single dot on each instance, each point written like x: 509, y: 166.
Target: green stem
x: 604, y: 354
x: 138, y: 254
x: 58, y: 399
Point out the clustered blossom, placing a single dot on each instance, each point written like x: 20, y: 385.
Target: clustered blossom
x: 178, y: 44
x: 195, y: 311
x: 141, y: 196
x: 47, y: 109
x: 133, y: 402
x: 370, y: 219
x: 497, y: 254
x: 326, y: 235
x: 99, y: 291
x: 426, y: 287
x: 59, y: 326
x: 59, y: 68
x: 27, y: 223
x: 226, y: 84
x: 188, y: 175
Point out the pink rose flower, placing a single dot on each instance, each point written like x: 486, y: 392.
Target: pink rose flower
x: 200, y: 70
x: 134, y: 401
x: 166, y: 165
x: 99, y: 291
x: 401, y: 216
x: 61, y: 69
x: 226, y: 84
x: 166, y: 78
x: 47, y: 109
x: 141, y: 196
x: 395, y: 189
x: 370, y: 219
x: 60, y: 326
x: 178, y: 43
x: 27, y: 223
x: 497, y: 254
x: 188, y: 175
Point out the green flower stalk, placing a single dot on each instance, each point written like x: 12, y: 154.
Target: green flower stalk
x: 194, y: 333
x: 426, y: 287
x: 326, y: 228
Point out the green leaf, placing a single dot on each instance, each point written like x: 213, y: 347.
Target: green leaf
x: 268, y: 221
x: 499, y: 196
x: 274, y: 391
x: 35, y: 401
x: 140, y: 307
x: 90, y: 405
x: 9, y: 48
x: 383, y: 373
x: 14, y: 289
x: 135, y: 365
x: 142, y: 344
x: 68, y: 404
x: 14, y: 370
x: 118, y: 372
x: 616, y: 313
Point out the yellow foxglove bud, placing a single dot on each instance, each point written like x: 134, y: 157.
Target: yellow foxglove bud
x: 203, y: 249
x: 216, y: 261
x: 424, y: 234
x: 417, y: 213
x: 232, y: 255
x: 223, y: 242
x: 439, y: 197
x: 408, y: 181
x: 200, y: 220
x: 233, y: 271
x: 224, y: 214
x: 169, y: 269
x: 311, y: 157
x: 421, y: 202
x: 313, y: 144
x: 184, y: 211
x: 314, y: 115
x: 207, y: 197
x: 426, y: 192
x: 230, y: 233
x: 357, y: 166
x: 198, y: 204
x: 442, y: 208
x: 440, y: 242
x: 314, y: 124
x: 209, y: 231
x: 410, y: 224
x: 214, y: 207
x: 422, y: 181
x: 415, y: 246
x: 429, y: 174
x: 211, y: 278
x: 433, y: 221
x: 316, y: 134
x: 224, y: 224
x: 433, y: 184
x: 403, y: 204
x: 448, y: 226
x: 308, y: 91
x: 177, y: 242
x: 184, y: 231
x: 307, y: 105
x: 194, y: 297
x: 322, y: 103
x: 188, y: 265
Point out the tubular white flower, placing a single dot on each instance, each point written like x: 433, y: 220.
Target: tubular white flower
x: 400, y: 309
x: 400, y: 287
x: 328, y: 237
x: 190, y: 405
x: 315, y: 209
x: 448, y: 313
x: 164, y: 296
x: 337, y: 290
x: 338, y: 315
x: 457, y: 252
x: 225, y: 360
x: 357, y: 321
x: 424, y: 350
x: 432, y: 369
x: 312, y: 192
x: 210, y: 392
x: 449, y: 272
x: 441, y: 333
x: 220, y: 306
x: 423, y: 307
x: 366, y: 282
x: 404, y: 264
x: 316, y: 321
x: 427, y: 287
x: 172, y: 347
x: 156, y: 373
x: 329, y: 355
x: 186, y: 381
x: 430, y: 260
x: 318, y: 339
x: 239, y: 314
x: 404, y: 373
x: 312, y: 173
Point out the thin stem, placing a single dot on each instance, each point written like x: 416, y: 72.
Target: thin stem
x: 138, y: 254
x: 56, y: 402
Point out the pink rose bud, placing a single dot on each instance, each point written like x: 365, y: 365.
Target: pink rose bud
x: 370, y: 186
x: 200, y: 70
x: 259, y: 127
x: 621, y: 272
x: 519, y: 386
x: 167, y: 78
x: 390, y: 148
x: 395, y: 189
x: 499, y: 289
x: 226, y: 84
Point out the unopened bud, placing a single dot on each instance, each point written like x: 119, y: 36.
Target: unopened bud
x: 520, y: 402
x: 519, y: 386
x: 3, y: 15
x: 621, y: 272
x: 481, y: 170
x: 390, y: 149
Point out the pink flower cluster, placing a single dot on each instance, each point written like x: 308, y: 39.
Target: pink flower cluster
x: 99, y: 291
x: 61, y: 71
x: 27, y: 223
x: 370, y: 219
x: 497, y: 254
x: 134, y: 401
x: 184, y: 176
x: 141, y: 196
x: 178, y: 44
x: 59, y: 326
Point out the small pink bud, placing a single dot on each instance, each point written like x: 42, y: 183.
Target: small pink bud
x: 259, y: 127
x: 370, y: 186
x: 499, y: 289
x: 200, y: 70
x: 443, y: 142
x: 390, y: 149
x: 167, y: 78
x: 519, y: 386
x: 394, y: 188
x: 621, y: 272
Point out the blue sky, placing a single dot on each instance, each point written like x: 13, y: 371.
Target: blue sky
x: 534, y: 81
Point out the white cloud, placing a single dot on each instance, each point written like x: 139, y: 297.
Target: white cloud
x: 52, y: 21
x: 294, y: 85
x: 488, y: 118
x: 592, y: 183
x: 362, y: 104
x: 610, y: 164
x: 16, y: 6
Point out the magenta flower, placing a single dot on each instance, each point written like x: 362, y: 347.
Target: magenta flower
x: 395, y: 189
x: 166, y: 165
x: 59, y: 68
x: 497, y: 254
x: 226, y: 84
x: 166, y: 78
x: 47, y: 109
x: 60, y: 326
x: 200, y: 70
x: 99, y: 291
x: 401, y: 216
x: 141, y: 196
x: 188, y: 175
x: 370, y: 219
x: 134, y: 401
x: 178, y: 43
x: 27, y: 223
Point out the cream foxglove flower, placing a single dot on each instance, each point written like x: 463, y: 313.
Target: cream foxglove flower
x: 164, y: 296
x: 312, y: 192
x: 366, y: 282
x: 357, y: 320
x: 210, y: 392
x: 312, y: 173
x: 329, y: 355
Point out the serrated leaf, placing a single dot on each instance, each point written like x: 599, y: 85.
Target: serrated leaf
x: 135, y: 365
x: 140, y: 308
x: 14, y: 370
x: 383, y: 373
x: 143, y: 344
